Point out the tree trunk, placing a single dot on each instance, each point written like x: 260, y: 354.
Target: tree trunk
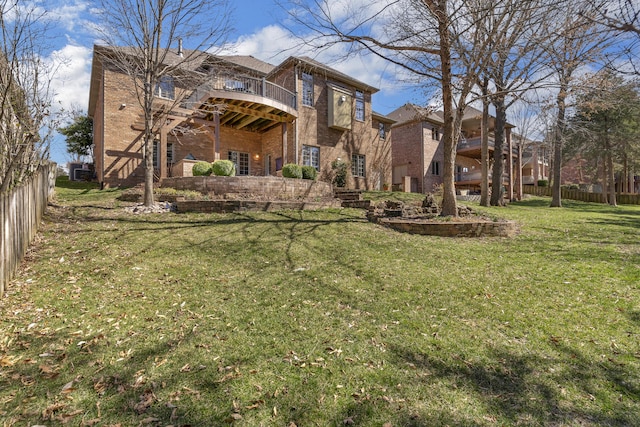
x: 484, y: 146
x: 556, y: 198
x: 605, y: 183
x: 497, y: 193
x: 148, y: 144
x: 610, y: 172
x: 450, y: 139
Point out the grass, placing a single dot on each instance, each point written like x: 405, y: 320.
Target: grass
x: 321, y: 319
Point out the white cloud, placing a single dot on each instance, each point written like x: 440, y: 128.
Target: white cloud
x: 71, y: 65
x: 70, y: 15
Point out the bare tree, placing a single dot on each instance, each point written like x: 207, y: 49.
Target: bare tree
x: 578, y: 42
x: 515, y: 65
x: 145, y: 39
x: 25, y: 92
x: 429, y: 40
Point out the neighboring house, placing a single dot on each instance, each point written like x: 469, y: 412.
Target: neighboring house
x: 535, y: 161
x: 418, y: 155
x: 258, y: 115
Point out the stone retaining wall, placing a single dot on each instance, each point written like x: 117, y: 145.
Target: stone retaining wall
x: 452, y: 229
x: 226, y: 206
x: 266, y: 187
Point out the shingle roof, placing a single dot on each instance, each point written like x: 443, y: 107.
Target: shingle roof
x: 340, y: 76
x: 411, y: 112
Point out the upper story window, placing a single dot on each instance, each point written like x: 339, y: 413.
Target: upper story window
x: 307, y: 89
x: 360, y: 105
x: 165, y: 88
x: 435, y: 134
x: 382, y: 130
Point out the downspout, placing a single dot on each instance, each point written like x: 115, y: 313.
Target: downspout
x: 422, y: 171
x: 295, y: 137
x: 102, y: 131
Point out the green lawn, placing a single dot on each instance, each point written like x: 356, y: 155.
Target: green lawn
x: 321, y: 319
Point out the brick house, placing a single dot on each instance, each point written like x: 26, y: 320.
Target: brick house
x: 256, y: 114
x: 418, y: 155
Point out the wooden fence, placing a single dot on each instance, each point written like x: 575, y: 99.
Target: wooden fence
x: 621, y: 199
x: 21, y: 211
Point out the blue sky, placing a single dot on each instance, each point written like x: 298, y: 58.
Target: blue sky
x: 260, y: 30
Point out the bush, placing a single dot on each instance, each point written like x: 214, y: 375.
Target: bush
x: 291, y: 170
x: 309, y: 172
x: 341, y: 172
x: 543, y: 183
x: 202, y: 169
x: 224, y: 168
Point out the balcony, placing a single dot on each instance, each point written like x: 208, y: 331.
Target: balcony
x: 244, y: 103
x: 474, y: 178
x: 471, y: 147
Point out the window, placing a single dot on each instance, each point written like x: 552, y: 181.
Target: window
x: 357, y: 165
x: 435, y: 134
x: 311, y: 156
x: 156, y: 153
x: 307, y: 89
x: 360, y: 106
x: 382, y: 131
x: 165, y: 88
x: 435, y: 168
x: 241, y: 160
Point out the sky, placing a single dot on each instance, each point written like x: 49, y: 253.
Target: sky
x: 261, y: 29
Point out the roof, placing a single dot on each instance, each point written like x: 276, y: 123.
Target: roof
x: 331, y: 72
x: 382, y: 117
x: 250, y: 62
x: 411, y: 112
x: 191, y: 60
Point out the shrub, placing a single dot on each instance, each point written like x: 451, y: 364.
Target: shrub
x: 202, y: 169
x: 309, y: 172
x: 542, y: 183
x: 340, y: 172
x: 224, y: 168
x: 291, y: 170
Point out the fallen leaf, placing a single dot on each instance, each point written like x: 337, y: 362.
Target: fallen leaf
x: 255, y: 405
x: 234, y: 417
x: 65, y: 418
x: 68, y: 387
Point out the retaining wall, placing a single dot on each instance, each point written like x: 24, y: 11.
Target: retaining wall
x: 267, y: 187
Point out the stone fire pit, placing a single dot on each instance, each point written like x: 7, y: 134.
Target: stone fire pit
x: 426, y: 220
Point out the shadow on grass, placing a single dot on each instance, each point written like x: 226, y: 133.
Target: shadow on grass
x: 524, y: 389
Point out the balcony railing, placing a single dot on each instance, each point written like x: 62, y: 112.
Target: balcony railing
x: 476, y: 176
x: 248, y: 85
x: 476, y: 143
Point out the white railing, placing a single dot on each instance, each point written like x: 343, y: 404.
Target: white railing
x: 241, y: 84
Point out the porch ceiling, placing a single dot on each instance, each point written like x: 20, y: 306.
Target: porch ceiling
x: 244, y: 114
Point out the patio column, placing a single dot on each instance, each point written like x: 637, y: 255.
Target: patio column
x: 519, y: 172
x: 216, y: 145
x: 284, y: 143
x: 510, y: 163
x: 162, y: 153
